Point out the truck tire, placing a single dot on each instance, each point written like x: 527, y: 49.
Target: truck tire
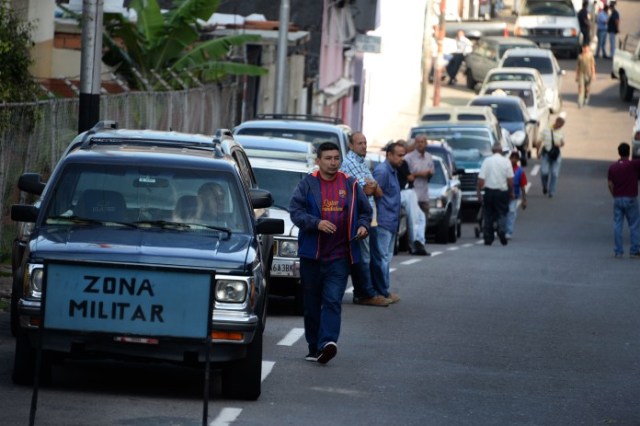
x: 24, y: 363
x: 442, y: 232
x: 242, y: 379
x: 626, y: 91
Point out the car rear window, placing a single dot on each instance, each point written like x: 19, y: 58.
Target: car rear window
x: 311, y: 136
x: 524, y: 94
x: 471, y: 117
x: 504, y: 112
x: 511, y: 77
x: 541, y: 64
x: 436, y: 117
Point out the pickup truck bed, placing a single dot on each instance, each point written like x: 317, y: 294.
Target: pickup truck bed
x: 626, y: 66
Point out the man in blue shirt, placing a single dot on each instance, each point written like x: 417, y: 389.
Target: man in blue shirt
x: 388, y: 206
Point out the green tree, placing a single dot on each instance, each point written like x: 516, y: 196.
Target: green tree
x: 16, y: 83
x: 169, y: 42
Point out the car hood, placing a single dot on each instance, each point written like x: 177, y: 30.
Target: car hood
x: 211, y: 250
x: 290, y: 230
x: 546, y: 21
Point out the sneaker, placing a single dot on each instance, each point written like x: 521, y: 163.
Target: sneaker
x: 393, y: 298
x: 508, y: 236
x: 418, y: 249
x: 634, y: 255
x: 503, y: 238
x: 329, y: 350
x: 312, y: 356
x: 371, y: 301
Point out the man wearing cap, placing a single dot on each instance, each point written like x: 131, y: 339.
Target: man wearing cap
x: 550, y: 165
x: 496, y: 179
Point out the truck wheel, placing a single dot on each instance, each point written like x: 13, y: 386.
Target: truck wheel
x: 471, y: 83
x: 242, y: 379
x: 24, y: 363
x: 626, y: 91
x: 442, y: 233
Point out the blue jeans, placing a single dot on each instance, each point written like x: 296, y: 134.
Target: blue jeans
x: 361, y: 272
x: 626, y: 207
x: 602, y: 42
x: 324, y: 284
x: 511, y: 216
x: 416, y: 220
x: 550, y: 168
x: 382, y: 244
x: 612, y: 44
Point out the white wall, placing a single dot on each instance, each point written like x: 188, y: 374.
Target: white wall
x: 393, y: 77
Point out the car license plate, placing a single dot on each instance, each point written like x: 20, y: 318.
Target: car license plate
x: 283, y: 269
x: 545, y: 45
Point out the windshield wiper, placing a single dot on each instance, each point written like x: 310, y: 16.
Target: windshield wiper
x: 58, y: 220
x: 165, y: 224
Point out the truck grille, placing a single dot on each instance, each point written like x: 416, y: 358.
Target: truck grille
x: 468, y: 181
x: 546, y: 32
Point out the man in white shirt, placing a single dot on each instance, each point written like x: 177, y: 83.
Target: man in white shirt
x: 463, y: 48
x: 496, y: 178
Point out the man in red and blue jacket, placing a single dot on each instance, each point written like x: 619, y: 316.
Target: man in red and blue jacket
x: 332, y: 212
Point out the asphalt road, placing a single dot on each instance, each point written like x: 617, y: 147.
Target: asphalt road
x: 543, y: 331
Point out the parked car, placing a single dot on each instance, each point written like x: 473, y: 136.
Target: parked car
x: 277, y: 148
x: 310, y: 128
x: 550, y: 71
x: 486, y: 55
x: 445, y: 199
x: 626, y: 66
x: 531, y: 96
x: 515, y: 74
x: 444, y: 151
x: 280, y: 178
x: 552, y: 24
x: 634, y: 111
x: 126, y: 216
x: 513, y: 116
x: 470, y: 132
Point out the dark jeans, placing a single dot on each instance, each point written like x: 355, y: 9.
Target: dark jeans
x: 496, y: 208
x: 324, y: 284
x: 454, y: 65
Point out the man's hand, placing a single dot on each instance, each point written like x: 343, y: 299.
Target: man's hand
x: 361, y: 233
x: 326, y: 227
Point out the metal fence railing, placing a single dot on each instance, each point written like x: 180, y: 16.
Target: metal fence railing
x: 31, y: 146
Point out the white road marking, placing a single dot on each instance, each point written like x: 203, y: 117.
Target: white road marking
x: 535, y: 170
x: 467, y: 245
x: 227, y: 416
x: 293, y: 335
x: 436, y: 253
x: 454, y: 248
x: 410, y: 261
x: 267, y: 366
x: 392, y: 270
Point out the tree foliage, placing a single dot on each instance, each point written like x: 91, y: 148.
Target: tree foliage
x: 16, y: 83
x: 169, y: 42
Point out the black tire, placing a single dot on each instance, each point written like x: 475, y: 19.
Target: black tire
x: 24, y: 363
x: 442, y: 233
x: 16, y: 293
x: 626, y: 91
x: 471, y: 83
x: 242, y: 379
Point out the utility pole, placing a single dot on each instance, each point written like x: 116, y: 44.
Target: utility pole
x: 281, y: 65
x: 437, y: 77
x: 90, y: 64
x: 427, y: 55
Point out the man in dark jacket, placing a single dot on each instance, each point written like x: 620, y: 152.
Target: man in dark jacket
x: 332, y: 212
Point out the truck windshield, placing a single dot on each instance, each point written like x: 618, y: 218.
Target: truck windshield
x: 549, y: 8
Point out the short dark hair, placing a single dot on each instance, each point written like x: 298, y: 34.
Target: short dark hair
x: 391, y: 147
x: 326, y: 146
x: 624, y: 150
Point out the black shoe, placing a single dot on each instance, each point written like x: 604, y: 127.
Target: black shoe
x: 312, y: 356
x: 487, y: 242
x: 418, y: 249
x: 503, y: 238
x: 544, y: 191
x: 329, y: 350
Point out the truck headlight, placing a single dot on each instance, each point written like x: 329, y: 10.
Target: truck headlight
x: 33, y: 280
x: 231, y: 291
x: 288, y: 248
x: 570, y: 32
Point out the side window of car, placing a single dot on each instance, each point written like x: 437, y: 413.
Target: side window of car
x: 490, y: 51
